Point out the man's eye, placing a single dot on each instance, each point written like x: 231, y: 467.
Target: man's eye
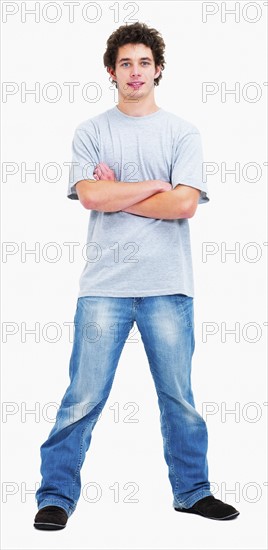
x: 143, y: 62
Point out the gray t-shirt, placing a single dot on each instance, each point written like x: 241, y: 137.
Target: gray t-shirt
x: 129, y: 255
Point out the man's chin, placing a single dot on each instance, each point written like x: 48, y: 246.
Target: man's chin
x: 132, y: 95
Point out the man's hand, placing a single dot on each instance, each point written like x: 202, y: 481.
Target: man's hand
x: 103, y: 172
x: 165, y: 186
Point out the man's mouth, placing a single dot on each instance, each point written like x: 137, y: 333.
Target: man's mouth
x: 135, y: 85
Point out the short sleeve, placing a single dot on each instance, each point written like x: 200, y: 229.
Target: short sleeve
x: 85, y: 156
x: 187, y: 164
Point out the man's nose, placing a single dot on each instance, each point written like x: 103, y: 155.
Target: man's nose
x: 135, y: 71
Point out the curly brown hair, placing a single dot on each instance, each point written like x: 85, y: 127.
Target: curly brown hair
x: 137, y: 33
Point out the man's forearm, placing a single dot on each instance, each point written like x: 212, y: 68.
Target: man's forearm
x: 113, y: 196
x: 167, y: 205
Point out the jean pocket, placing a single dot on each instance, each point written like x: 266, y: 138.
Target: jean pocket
x: 186, y: 308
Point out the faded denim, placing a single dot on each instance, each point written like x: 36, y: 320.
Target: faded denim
x: 102, y: 326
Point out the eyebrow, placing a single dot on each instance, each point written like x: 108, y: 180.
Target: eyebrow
x: 128, y: 59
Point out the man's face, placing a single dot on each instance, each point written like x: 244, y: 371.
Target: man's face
x: 135, y: 71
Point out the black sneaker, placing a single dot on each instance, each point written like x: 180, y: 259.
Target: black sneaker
x: 50, y: 518
x: 212, y: 508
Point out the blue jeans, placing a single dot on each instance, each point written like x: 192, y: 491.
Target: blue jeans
x: 102, y: 326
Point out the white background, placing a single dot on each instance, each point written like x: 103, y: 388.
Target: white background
x: 228, y: 373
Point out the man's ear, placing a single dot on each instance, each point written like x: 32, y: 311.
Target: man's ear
x: 158, y: 69
x: 111, y: 73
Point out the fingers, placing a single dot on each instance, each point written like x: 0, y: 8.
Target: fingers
x: 103, y: 171
x: 102, y: 167
x: 97, y: 172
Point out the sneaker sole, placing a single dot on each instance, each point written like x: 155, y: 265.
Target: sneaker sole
x: 48, y: 526
x: 231, y: 516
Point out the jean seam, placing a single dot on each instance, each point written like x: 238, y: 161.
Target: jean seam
x: 78, y: 467
x: 168, y: 445
x: 171, y: 465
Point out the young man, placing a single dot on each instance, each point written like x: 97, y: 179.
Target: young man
x: 138, y: 168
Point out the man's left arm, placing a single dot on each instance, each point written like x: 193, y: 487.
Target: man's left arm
x: 187, y: 188
x: 180, y: 202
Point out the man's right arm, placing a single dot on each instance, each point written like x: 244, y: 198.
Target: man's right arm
x: 113, y: 196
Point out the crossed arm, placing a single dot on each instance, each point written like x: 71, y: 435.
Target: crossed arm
x: 180, y: 202
x: 153, y: 198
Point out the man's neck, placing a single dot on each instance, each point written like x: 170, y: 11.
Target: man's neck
x: 137, y: 108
